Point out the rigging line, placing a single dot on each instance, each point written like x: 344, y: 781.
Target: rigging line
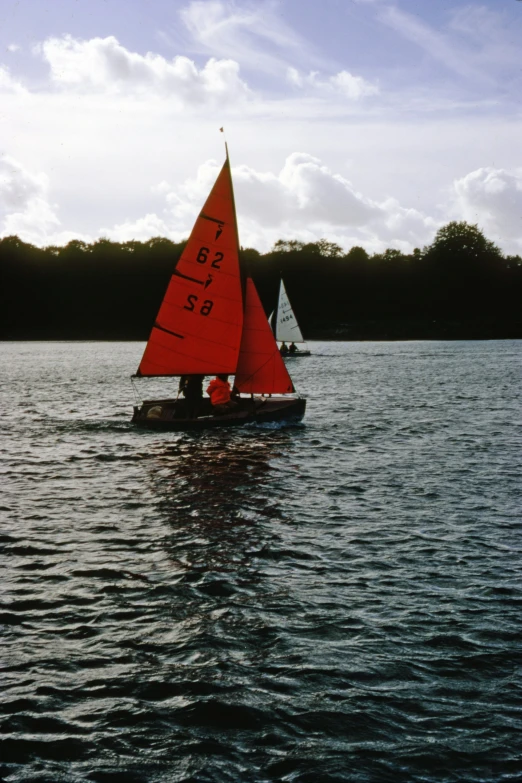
x: 137, y: 398
x: 276, y: 319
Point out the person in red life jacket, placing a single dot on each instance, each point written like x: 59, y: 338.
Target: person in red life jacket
x: 220, y: 395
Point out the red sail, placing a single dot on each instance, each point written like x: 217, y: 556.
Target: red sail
x: 260, y: 369
x: 199, y: 324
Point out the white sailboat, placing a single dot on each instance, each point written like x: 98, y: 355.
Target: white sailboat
x: 285, y: 326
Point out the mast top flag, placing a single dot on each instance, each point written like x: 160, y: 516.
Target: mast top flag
x: 222, y: 130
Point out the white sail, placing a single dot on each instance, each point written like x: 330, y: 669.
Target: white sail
x: 286, y: 327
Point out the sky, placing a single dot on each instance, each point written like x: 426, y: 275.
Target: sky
x: 365, y: 122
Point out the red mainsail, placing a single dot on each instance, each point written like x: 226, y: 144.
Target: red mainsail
x: 260, y: 368
x: 199, y: 324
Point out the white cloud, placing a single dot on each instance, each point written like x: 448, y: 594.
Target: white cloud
x: 343, y: 83
x: 493, y: 199
x: 352, y: 86
x: 305, y: 201
x: 140, y: 230
x: 18, y: 187
x: 294, y: 77
x: 404, y: 227
x: 8, y: 84
x: 318, y: 195
x: 304, y: 192
x: 458, y: 57
x: 182, y: 205
x: 161, y: 188
x: 34, y: 224
x: 488, y: 34
x: 102, y: 129
x: 24, y: 205
x: 476, y: 22
x: 13, y: 47
x: 254, y: 34
x: 103, y: 65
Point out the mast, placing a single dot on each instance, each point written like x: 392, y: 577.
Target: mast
x: 260, y: 368
x: 233, y: 203
x: 276, y: 314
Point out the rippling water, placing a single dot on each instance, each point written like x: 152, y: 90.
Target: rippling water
x: 340, y: 601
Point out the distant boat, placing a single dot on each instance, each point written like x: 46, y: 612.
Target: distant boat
x: 285, y: 326
x: 212, y: 322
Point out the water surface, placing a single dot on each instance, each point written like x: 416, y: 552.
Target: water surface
x: 339, y: 601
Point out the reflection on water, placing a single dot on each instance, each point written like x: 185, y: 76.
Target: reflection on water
x: 215, y: 492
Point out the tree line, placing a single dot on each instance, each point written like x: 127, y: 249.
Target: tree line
x: 460, y: 286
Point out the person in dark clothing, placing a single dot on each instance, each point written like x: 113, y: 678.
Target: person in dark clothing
x: 284, y: 349
x: 191, y: 387
x: 293, y: 348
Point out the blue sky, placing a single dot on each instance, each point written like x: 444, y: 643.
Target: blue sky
x: 367, y: 122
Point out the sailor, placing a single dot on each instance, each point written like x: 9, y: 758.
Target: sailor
x: 220, y: 395
x: 191, y: 387
x: 293, y: 348
x: 284, y: 349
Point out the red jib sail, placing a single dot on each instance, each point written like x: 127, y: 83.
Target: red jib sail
x: 199, y: 324
x: 260, y: 368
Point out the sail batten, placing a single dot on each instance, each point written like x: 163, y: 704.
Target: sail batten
x: 168, y: 331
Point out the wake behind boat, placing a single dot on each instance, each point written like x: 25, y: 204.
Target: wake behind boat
x: 285, y: 326
x: 212, y: 322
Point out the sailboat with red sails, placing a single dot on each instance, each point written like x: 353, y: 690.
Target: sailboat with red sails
x: 211, y: 322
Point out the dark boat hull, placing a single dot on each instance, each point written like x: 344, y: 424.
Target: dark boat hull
x: 178, y: 415
x: 295, y: 354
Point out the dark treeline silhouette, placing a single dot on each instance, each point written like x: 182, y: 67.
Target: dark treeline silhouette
x: 461, y: 286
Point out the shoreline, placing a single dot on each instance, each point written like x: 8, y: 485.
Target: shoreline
x: 370, y: 330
